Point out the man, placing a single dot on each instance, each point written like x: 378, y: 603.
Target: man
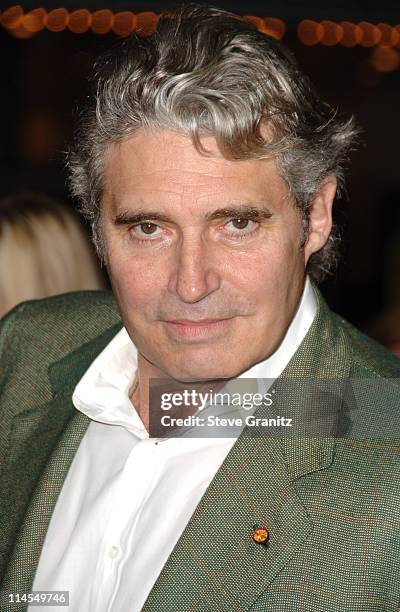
x: 208, y: 168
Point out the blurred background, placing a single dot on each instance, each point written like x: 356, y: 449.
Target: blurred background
x: 351, y: 51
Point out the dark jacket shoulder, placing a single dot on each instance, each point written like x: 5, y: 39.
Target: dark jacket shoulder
x: 38, y: 333
x: 59, y: 324
x: 369, y: 357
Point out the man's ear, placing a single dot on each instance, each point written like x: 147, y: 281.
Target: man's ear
x: 320, y: 217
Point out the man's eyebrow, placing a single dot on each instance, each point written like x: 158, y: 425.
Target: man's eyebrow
x: 249, y: 211
x: 127, y: 217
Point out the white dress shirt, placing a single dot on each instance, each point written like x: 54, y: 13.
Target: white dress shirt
x: 127, y: 497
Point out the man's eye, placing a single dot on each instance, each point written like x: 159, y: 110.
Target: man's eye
x: 240, y: 224
x: 146, y: 229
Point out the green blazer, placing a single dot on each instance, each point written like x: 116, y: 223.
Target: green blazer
x: 331, y: 505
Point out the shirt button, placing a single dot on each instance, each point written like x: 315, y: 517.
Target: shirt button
x: 114, y: 552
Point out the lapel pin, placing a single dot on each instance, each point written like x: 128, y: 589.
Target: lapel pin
x: 260, y: 535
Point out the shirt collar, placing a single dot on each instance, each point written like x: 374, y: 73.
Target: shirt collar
x: 273, y: 366
x: 103, y: 391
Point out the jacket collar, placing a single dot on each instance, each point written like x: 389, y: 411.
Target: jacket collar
x: 325, y: 355
x: 65, y: 374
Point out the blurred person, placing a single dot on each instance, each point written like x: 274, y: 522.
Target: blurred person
x: 44, y: 250
x: 207, y: 166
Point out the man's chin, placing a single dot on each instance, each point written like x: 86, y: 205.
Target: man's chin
x: 207, y: 372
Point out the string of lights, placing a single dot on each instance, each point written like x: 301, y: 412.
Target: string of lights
x: 329, y: 33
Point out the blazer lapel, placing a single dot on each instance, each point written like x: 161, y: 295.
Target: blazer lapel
x: 41, y: 446
x: 216, y: 565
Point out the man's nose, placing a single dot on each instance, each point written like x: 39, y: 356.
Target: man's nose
x: 194, y: 276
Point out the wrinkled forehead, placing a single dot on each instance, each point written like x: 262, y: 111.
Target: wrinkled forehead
x: 164, y: 164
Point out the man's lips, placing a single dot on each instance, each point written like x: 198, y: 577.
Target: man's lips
x: 201, y: 329
x: 198, y: 322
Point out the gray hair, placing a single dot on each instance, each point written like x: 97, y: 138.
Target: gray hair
x: 205, y: 72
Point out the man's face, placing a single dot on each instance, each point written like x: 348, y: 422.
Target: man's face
x: 203, y: 254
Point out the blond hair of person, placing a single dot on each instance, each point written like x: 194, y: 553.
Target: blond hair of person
x: 44, y: 251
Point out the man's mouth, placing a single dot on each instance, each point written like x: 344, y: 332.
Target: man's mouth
x: 197, y: 329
